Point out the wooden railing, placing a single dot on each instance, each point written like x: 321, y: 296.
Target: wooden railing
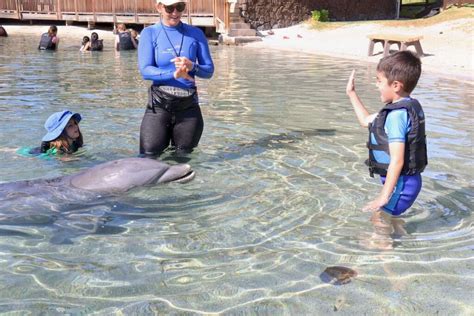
x: 198, y: 12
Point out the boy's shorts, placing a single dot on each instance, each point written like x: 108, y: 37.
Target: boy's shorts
x: 404, y: 194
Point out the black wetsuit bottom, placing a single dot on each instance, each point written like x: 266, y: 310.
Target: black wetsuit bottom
x: 160, y: 127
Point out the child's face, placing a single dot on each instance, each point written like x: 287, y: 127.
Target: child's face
x: 387, y: 91
x: 72, y: 129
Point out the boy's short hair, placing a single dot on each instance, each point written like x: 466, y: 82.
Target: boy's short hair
x: 403, y: 66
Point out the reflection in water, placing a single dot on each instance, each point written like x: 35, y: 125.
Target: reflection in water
x: 277, y: 197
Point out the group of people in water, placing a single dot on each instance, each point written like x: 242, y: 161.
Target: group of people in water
x: 92, y: 43
x: 125, y: 39
x: 171, y: 54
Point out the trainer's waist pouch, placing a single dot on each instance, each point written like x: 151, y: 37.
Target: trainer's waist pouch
x: 171, y: 99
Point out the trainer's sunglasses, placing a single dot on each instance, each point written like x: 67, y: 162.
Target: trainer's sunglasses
x: 180, y: 6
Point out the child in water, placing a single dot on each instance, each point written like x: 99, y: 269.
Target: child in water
x: 85, y: 44
x: 92, y: 44
x: 63, y: 134
x: 397, y: 141
x: 49, y: 40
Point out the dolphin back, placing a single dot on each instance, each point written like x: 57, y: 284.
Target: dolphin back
x: 119, y: 175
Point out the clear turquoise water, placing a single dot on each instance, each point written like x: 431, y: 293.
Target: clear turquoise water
x: 277, y: 197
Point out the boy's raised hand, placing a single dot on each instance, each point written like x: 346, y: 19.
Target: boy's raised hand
x: 350, y: 88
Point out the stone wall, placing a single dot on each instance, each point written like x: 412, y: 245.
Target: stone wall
x: 268, y: 14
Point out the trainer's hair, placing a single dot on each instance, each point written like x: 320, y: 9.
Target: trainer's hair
x: 403, y: 66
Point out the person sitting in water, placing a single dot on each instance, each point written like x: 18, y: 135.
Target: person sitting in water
x: 96, y: 44
x: 85, y: 44
x: 63, y: 134
x: 123, y: 39
x: 134, y: 35
x: 49, y: 40
x: 3, y: 32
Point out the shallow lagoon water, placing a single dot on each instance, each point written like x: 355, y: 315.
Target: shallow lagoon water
x: 277, y: 198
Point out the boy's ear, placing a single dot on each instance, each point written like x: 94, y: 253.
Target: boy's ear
x: 397, y: 86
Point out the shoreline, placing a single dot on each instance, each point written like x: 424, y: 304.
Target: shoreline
x: 447, y: 45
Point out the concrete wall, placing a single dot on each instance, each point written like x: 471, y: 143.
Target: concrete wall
x: 268, y: 14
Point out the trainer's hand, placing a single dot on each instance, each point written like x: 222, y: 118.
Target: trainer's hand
x: 350, y: 88
x: 182, y: 72
x: 179, y: 62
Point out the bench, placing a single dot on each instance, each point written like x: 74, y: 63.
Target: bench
x: 403, y: 41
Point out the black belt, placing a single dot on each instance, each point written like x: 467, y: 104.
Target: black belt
x: 171, y: 99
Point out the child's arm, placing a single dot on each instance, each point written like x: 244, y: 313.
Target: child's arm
x: 397, y: 151
x: 117, y: 42
x: 134, y: 42
x: 362, y: 114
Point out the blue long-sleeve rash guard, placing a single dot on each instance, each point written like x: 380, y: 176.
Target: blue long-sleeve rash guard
x: 155, y: 53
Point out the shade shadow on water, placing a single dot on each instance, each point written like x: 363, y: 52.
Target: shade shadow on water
x: 276, y: 200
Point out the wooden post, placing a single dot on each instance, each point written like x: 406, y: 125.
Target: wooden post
x: 18, y: 9
x: 58, y: 10
x: 136, y: 11
x: 93, y: 9
x: 226, y: 16
x: 189, y: 12
x: 113, y: 12
x: 214, y: 12
x: 75, y: 10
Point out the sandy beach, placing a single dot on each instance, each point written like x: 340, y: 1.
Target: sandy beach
x: 447, y: 39
x: 448, y: 45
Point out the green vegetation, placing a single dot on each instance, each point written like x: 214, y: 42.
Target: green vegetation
x: 410, y: 8
x: 453, y: 13
x: 320, y: 15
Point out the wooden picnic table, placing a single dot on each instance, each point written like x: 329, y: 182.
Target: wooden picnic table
x: 403, y: 41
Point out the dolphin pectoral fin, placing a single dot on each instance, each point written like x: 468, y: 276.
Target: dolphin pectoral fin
x: 179, y: 173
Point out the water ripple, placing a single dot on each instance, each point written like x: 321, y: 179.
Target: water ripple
x: 277, y: 198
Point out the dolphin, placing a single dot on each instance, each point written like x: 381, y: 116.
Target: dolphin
x: 111, y: 177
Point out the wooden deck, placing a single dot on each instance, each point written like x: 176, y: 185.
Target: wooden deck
x: 209, y: 13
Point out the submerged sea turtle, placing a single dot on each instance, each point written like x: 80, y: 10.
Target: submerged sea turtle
x: 337, y: 275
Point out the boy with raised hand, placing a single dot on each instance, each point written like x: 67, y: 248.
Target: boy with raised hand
x: 397, y: 141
